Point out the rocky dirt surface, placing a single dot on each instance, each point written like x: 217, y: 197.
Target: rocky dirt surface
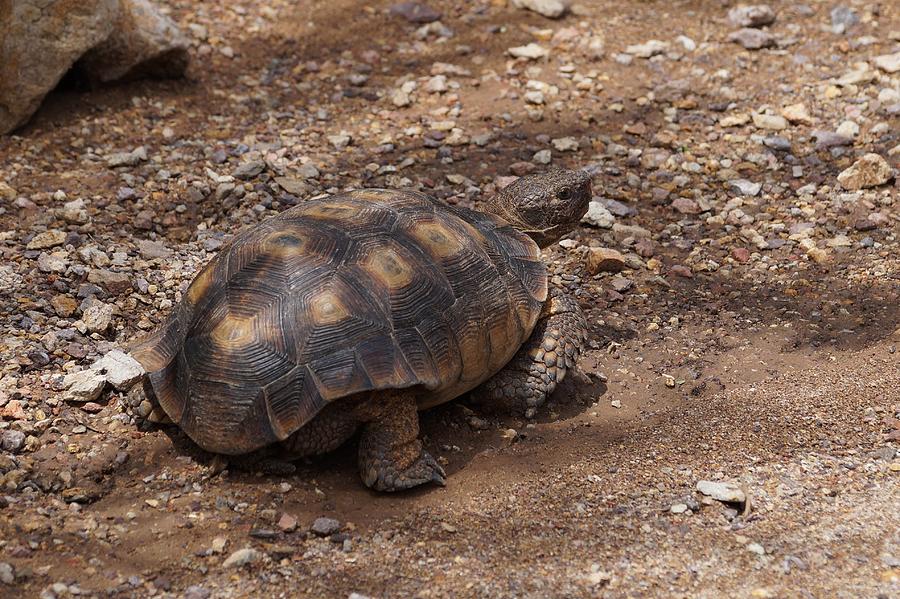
x: 736, y: 429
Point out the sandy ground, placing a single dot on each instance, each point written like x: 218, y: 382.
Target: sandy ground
x: 751, y: 339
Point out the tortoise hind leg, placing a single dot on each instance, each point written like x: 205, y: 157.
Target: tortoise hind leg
x: 391, y: 456
x: 326, y: 432
x: 542, y: 362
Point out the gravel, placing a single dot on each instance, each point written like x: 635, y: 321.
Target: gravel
x: 752, y: 223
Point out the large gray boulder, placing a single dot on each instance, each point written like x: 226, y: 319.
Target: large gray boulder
x: 40, y: 40
x: 144, y: 42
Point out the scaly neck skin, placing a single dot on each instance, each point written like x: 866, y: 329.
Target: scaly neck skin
x: 502, y: 205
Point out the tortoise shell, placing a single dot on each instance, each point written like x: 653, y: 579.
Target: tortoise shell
x: 366, y: 290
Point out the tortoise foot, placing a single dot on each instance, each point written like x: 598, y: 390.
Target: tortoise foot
x: 382, y: 475
x: 391, y: 456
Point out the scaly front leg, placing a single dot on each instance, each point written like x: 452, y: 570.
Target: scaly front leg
x: 542, y: 362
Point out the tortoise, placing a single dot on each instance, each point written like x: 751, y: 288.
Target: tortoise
x: 357, y: 310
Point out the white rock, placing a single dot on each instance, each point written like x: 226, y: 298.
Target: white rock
x: 869, y: 171
x: 542, y: 157
x: 531, y: 51
x: 772, y: 122
x: 727, y: 492
x: 678, y: 508
x: 340, y: 141
x: 74, y: 212
x: 745, y: 187
x: 533, y: 97
x: 120, y: 369
x: 860, y: 73
x: 648, y: 48
x: 598, y: 216
x: 755, y: 15
x: 797, y: 113
x: 97, y: 317
x: 53, y: 262
x: 848, y: 129
x: 400, y: 98
x: 437, y: 84
x: 756, y: 548
x: 242, y: 557
x: 686, y: 42
x: 565, y: 144
x: 889, y: 63
x: 552, y: 9
x: 46, y: 239
x: 218, y: 544
x: 84, y: 385
x: 888, y: 96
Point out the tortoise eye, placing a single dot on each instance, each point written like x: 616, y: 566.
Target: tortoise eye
x: 564, y: 195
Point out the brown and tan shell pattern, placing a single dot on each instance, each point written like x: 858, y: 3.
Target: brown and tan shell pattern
x: 368, y: 290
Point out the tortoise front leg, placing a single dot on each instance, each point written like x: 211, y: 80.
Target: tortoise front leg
x: 542, y: 362
x: 391, y: 456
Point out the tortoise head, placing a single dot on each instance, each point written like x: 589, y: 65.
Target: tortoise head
x: 545, y: 206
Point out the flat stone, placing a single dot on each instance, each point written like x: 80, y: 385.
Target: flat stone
x: 530, y: 51
x: 777, y: 142
x: 726, y: 492
x: 339, y: 141
x: 84, y: 385
x: 678, y: 508
x: 745, y: 187
x: 242, y: 557
x: 63, y: 305
x: 773, y: 122
x: 830, y: 139
x: 47, y: 239
x: 869, y: 171
x: 12, y: 441
x: 648, y: 49
x: 113, y: 282
x: 294, y: 186
x: 605, y: 260
x: 150, y: 249
x: 685, y: 206
x: 797, y: 113
x: 287, y: 523
x: 132, y: 158
x: 618, y: 208
x: 248, y: 170
x: 120, y: 369
x: 13, y: 410
x: 324, y: 527
x: 889, y: 63
x: 752, y: 39
x: 621, y: 231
